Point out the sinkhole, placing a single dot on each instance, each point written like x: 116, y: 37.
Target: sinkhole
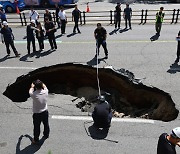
x: 128, y: 96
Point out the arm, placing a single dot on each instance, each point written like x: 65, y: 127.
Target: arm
x: 31, y: 89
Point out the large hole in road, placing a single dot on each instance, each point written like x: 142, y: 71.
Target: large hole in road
x: 127, y: 95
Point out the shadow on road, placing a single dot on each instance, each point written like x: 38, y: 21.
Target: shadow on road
x: 6, y: 58
x: 94, y: 61
x: 174, y: 68
x: 123, y: 30
x: 30, y: 149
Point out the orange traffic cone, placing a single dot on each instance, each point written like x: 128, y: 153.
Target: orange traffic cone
x: 17, y: 10
x: 87, y: 9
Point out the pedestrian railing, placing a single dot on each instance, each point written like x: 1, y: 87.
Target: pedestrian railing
x: 138, y: 16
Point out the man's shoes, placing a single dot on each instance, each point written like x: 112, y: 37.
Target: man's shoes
x: 106, y: 57
x: 18, y: 55
x: 8, y: 55
x: 79, y: 32
x: 45, y: 137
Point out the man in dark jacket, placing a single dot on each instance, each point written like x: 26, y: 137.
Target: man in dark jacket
x: 30, y: 36
x: 102, y: 114
x: 76, y: 14
x: 100, y: 35
x: 8, y: 38
x: 127, y: 16
x: 118, y: 15
x: 50, y: 30
x: 167, y: 143
x: 48, y: 15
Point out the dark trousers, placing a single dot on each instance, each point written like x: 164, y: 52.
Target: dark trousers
x: 11, y: 43
x: 63, y: 26
x: 178, y: 52
x: 52, y: 41
x: 104, y: 45
x: 41, y: 43
x: 101, y: 122
x: 76, y: 26
x: 118, y: 21
x: 57, y: 21
x: 127, y: 19
x: 37, y: 119
x: 33, y: 44
x: 158, y: 27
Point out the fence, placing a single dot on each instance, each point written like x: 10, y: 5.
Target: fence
x: 138, y: 16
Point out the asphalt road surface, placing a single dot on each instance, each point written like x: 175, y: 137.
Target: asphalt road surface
x: 132, y: 50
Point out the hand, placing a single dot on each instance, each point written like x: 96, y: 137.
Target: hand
x: 178, y: 143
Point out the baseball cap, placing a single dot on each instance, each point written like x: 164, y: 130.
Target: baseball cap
x: 5, y: 23
x: 33, y: 21
x: 176, y: 132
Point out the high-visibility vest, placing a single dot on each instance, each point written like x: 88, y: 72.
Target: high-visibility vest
x: 162, y: 16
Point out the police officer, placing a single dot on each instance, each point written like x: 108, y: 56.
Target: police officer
x: 100, y: 35
x: 159, y: 20
x: 102, y: 114
x: 178, y: 48
x: 8, y: 39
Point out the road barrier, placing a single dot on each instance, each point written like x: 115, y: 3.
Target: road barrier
x: 108, y: 17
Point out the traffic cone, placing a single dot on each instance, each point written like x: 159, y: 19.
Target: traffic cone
x: 87, y: 9
x: 17, y: 10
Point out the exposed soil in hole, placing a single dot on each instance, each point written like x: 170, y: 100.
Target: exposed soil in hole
x: 128, y: 96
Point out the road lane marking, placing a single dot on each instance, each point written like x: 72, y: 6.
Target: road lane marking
x: 92, y: 42
x: 84, y: 118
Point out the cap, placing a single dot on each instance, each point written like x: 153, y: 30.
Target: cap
x: 1, y: 5
x: 176, y: 132
x: 33, y: 21
x: 5, y: 23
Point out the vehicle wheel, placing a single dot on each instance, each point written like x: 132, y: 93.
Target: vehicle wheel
x: 9, y: 9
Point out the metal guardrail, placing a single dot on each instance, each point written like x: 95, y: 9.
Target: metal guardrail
x: 138, y: 16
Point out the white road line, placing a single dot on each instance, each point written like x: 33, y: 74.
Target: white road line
x: 84, y: 118
x: 19, y: 68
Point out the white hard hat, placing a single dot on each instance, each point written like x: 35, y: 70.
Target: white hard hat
x: 5, y: 23
x: 1, y: 5
x: 33, y: 21
x: 176, y: 132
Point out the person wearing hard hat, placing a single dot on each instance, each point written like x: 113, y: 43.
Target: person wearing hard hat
x: 167, y: 143
x: 8, y: 39
x: 102, y: 114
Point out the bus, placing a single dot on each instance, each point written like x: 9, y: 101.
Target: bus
x: 10, y: 5
x: 49, y: 3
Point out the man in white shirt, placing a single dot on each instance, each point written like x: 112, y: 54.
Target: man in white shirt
x: 33, y: 15
x: 39, y: 93
x: 63, y: 19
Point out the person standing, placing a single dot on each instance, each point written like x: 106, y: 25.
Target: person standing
x: 100, y: 35
x: 102, y: 114
x: 30, y: 36
x: 48, y: 15
x: 33, y: 15
x: 118, y: 15
x: 63, y: 19
x: 8, y: 38
x: 50, y: 30
x: 40, y: 35
x: 127, y: 16
x: 76, y: 14
x: 39, y: 94
x: 178, y: 48
x: 159, y: 20
x: 57, y: 16
x: 167, y: 143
